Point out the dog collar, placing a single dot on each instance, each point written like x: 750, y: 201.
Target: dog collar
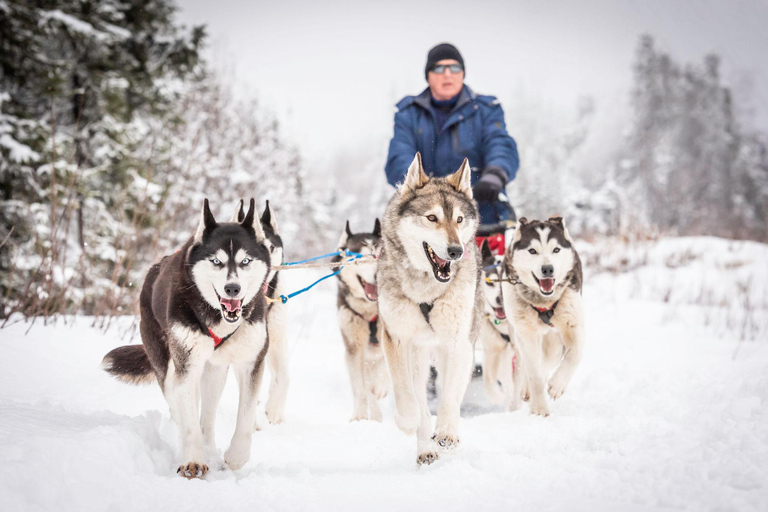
x: 217, y: 342
x: 546, y: 314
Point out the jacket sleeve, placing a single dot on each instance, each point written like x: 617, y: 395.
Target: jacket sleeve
x: 499, y: 148
x: 402, y: 149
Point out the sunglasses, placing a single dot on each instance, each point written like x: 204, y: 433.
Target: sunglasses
x: 453, y: 68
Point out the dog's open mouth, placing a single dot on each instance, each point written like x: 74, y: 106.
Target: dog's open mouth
x: 546, y: 285
x: 371, y: 290
x: 230, y: 308
x: 500, y: 314
x: 440, y: 267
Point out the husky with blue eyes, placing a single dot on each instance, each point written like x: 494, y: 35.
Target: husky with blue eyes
x: 542, y: 300
x: 202, y: 311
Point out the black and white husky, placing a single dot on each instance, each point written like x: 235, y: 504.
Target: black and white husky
x: 358, y: 321
x: 542, y: 298
x: 502, y: 373
x: 202, y: 311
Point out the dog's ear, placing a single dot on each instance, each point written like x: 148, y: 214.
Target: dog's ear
x: 485, y: 251
x: 344, y: 237
x: 207, y: 223
x: 561, y: 223
x: 522, y: 221
x: 377, y: 228
x: 268, y: 218
x: 239, y: 213
x: 461, y: 180
x: 416, y: 177
x: 556, y: 220
x: 251, y: 222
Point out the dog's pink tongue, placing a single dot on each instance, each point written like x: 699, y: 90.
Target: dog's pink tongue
x: 547, y: 284
x: 500, y: 314
x: 230, y: 304
x: 372, y: 291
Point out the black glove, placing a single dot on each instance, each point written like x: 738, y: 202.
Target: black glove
x: 490, y: 184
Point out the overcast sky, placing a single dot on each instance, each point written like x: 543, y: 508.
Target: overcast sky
x: 332, y: 70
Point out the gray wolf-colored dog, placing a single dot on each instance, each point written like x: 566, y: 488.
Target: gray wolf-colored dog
x: 358, y: 312
x: 429, y: 300
x: 202, y: 311
x: 542, y: 299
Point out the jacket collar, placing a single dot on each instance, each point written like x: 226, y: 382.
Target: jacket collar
x: 424, y: 100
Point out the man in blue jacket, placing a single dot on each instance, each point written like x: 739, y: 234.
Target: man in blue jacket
x: 448, y: 122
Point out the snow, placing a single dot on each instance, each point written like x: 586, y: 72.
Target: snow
x: 663, y: 413
x: 74, y: 24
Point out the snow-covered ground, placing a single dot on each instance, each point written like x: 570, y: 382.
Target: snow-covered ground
x: 665, y: 412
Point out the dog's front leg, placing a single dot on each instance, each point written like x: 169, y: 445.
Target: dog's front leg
x: 211, y: 385
x: 181, y: 390
x: 277, y: 358
x: 398, y: 361
x: 514, y: 394
x: 458, y: 371
x: 426, y: 449
x: 355, y: 357
x: 492, y: 373
x: 573, y: 338
x: 249, y: 377
x: 529, y: 348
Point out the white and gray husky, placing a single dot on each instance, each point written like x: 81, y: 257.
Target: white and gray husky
x: 503, y: 377
x: 277, y: 323
x: 429, y: 300
x: 542, y: 299
x: 202, y: 311
x: 358, y: 320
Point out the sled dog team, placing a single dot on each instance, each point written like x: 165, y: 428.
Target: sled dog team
x: 431, y: 296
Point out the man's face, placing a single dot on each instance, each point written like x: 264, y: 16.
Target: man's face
x: 446, y: 85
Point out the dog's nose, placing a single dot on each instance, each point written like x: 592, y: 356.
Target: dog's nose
x: 455, y: 252
x: 232, y: 289
x: 499, y: 300
x: 547, y: 270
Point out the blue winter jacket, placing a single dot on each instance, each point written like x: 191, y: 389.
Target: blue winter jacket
x: 474, y: 129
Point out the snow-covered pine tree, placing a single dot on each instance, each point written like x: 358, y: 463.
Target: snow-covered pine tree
x: 687, y: 163
x: 79, y: 79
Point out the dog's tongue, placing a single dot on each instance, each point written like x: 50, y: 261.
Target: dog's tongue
x: 230, y: 304
x: 371, y: 290
x: 500, y: 314
x: 440, y: 261
x: 547, y: 284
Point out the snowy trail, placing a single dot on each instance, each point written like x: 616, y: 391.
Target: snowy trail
x: 659, y: 416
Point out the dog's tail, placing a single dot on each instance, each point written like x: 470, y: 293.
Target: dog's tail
x: 129, y: 364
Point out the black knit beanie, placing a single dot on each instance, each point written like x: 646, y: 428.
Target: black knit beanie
x: 440, y: 52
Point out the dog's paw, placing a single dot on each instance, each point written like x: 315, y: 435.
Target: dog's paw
x: 273, y: 416
x: 192, y: 470
x: 539, y: 408
x: 238, y: 453
x: 525, y: 393
x: 446, y: 441
x: 408, y: 419
x: 557, y: 386
x: 427, y: 458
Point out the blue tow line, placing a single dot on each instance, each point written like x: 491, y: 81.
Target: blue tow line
x: 347, y: 252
